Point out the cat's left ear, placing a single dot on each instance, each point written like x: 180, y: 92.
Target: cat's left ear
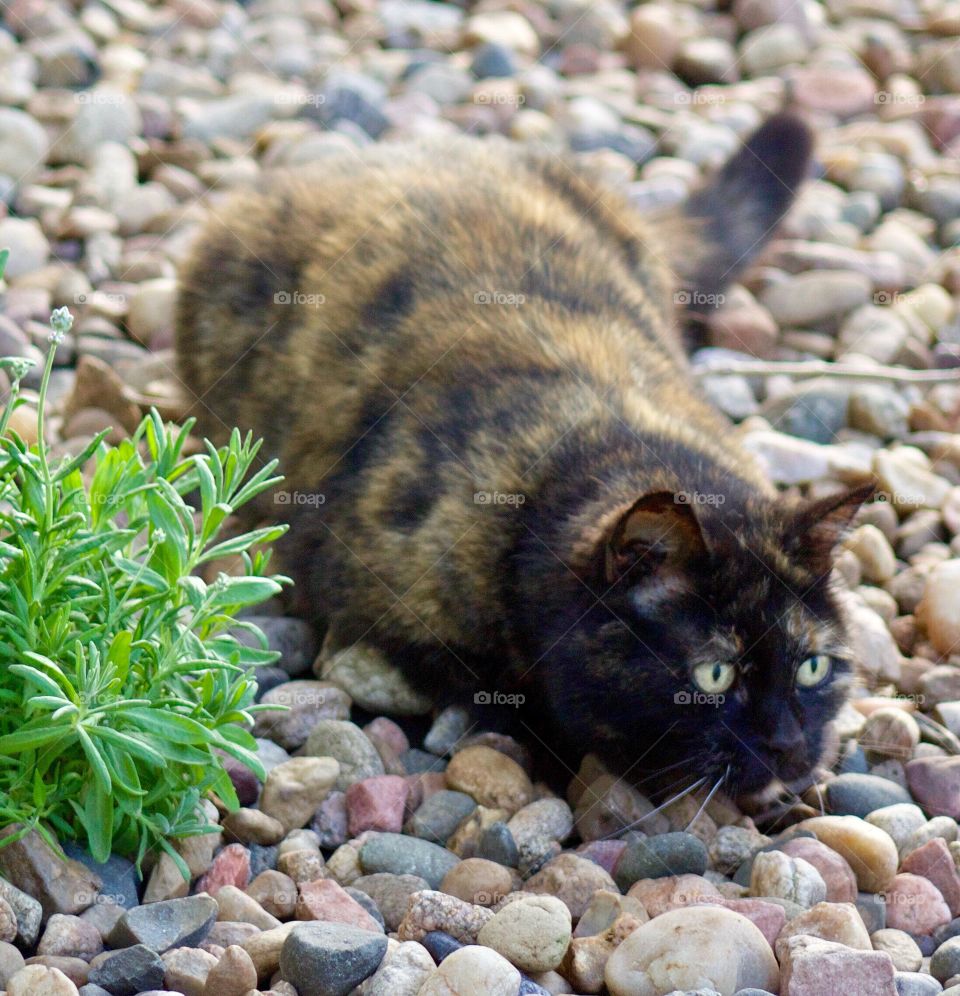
x: 818, y: 526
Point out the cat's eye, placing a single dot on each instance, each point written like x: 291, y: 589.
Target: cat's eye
x: 814, y: 671
x: 714, y: 678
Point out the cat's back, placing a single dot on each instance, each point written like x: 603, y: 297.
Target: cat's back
x: 363, y: 273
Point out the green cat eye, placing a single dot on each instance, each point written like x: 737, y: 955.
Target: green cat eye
x: 714, y: 678
x: 813, y: 671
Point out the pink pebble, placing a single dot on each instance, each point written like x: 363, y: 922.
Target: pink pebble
x: 377, y: 804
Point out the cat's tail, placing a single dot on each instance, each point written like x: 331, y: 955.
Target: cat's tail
x: 724, y: 225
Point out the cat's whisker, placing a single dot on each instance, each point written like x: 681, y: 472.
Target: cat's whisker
x: 662, y: 771
x: 710, y: 795
x: 663, y: 805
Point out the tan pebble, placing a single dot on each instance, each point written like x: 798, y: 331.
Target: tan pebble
x: 489, y: 777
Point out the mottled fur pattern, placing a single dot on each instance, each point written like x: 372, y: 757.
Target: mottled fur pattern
x: 470, y: 352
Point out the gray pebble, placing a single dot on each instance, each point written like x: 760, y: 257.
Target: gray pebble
x: 330, y: 959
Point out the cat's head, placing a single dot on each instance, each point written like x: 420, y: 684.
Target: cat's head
x: 706, y: 639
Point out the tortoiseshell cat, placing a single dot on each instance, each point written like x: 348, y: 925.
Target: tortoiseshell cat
x: 471, y: 353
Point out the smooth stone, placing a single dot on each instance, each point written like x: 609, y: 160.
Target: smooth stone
x: 532, y: 933
x: 656, y: 857
x: 439, y: 816
x: 402, y: 855
x: 349, y: 746
x: 860, y: 795
x: 690, y: 947
x: 472, y: 971
x: 869, y: 851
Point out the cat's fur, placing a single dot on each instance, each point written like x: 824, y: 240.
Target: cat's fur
x: 417, y: 327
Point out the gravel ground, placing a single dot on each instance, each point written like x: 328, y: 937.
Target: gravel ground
x: 375, y: 860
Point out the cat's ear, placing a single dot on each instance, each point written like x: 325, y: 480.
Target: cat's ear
x: 727, y: 222
x: 659, y: 533
x: 818, y: 526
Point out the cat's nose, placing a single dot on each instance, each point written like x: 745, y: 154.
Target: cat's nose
x: 786, y: 737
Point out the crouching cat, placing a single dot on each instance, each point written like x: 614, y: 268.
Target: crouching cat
x: 471, y: 352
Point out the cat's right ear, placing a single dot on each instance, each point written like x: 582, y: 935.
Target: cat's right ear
x: 654, y: 541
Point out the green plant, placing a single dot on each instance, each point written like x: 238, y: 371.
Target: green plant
x: 121, y: 679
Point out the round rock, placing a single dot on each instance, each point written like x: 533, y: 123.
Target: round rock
x: 532, y: 933
x: 691, y: 948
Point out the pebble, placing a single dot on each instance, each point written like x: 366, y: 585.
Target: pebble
x: 687, y: 948
x: 401, y: 855
x: 889, y: 733
x: 186, y: 970
x: 346, y: 742
x: 537, y: 826
x: 479, y: 881
x: 490, y: 778
x: 655, y: 857
x: 532, y: 933
x: 869, y: 851
x: 438, y: 817
x: 233, y: 975
x: 934, y: 862
x: 391, y: 893
x: 808, y: 961
x: 294, y: 789
x: 431, y: 910
x: 659, y: 895
x: 164, y: 925
x: 307, y: 703
x: 572, y: 879
x: 40, y: 980
x: 837, y: 875
x: 859, y: 795
x: 945, y: 961
x: 901, y: 947
x: 837, y: 922
x: 330, y: 959
x: 472, y: 971
x: 325, y: 900
x: 808, y: 299
x: 935, y: 784
x: 376, y: 804
x: 133, y: 970
x: 23, y: 145
x: 777, y: 874
x: 251, y: 826
x: 915, y: 905
x: 939, y: 608
x: 64, y: 935
x: 403, y: 972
